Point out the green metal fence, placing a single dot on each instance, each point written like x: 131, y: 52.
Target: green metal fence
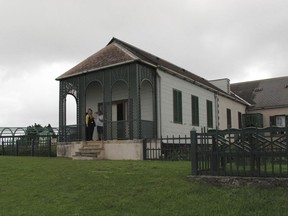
x: 22, y: 142
x: 247, y: 152
x: 167, y: 148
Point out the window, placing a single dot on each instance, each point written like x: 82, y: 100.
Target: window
x: 195, y: 110
x: 177, y: 106
x: 209, y: 114
x: 278, y: 120
x: 239, y: 120
x: 228, y: 111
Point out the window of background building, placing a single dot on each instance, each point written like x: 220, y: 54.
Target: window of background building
x: 239, y: 120
x: 228, y: 112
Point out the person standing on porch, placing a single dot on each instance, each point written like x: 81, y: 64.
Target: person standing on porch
x: 90, y: 124
x: 99, y: 123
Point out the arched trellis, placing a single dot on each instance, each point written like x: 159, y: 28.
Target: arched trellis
x: 97, y: 95
x: 22, y: 131
x: 68, y: 86
x: 149, y: 81
x: 93, y: 81
x: 148, y: 108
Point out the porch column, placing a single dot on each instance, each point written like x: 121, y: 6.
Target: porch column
x: 62, y: 112
x: 134, y: 103
x: 107, y: 106
x: 81, y: 108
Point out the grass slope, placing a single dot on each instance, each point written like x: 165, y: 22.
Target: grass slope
x: 55, y: 186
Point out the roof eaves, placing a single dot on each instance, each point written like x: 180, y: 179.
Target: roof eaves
x: 126, y: 51
x: 268, y: 107
x: 240, y: 99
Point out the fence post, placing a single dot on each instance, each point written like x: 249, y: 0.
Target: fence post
x: 194, y: 159
x: 32, y: 148
x: 214, y: 157
x: 252, y: 155
x: 49, y: 145
x: 17, y: 147
x: 144, y: 149
x: 2, y: 147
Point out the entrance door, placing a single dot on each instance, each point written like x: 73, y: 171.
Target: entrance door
x: 120, y: 111
x: 119, y: 116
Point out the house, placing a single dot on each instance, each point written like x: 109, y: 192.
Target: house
x: 268, y: 99
x: 142, y: 95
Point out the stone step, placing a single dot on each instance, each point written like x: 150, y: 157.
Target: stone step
x: 75, y: 157
x: 92, y: 145
x: 89, y: 156
x: 87, y: 153
x: 90, y: 150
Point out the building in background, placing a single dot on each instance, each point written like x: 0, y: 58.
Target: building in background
x: 268, y: 99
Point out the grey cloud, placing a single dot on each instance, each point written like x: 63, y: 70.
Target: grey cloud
x: 213, y: 39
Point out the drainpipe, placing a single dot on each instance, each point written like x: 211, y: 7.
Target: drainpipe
x: 158, y: 101
x: 216, y: 110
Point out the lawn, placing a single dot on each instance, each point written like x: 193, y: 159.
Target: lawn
x: 57, y: 186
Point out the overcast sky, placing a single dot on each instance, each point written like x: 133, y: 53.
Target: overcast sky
x: 39, y: 40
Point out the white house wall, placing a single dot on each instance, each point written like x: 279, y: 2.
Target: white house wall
x: 167, y: 127
x: 235, y: 107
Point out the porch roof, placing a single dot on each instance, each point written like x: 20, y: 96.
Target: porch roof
x: 109, y: 55
x: 118, y: 51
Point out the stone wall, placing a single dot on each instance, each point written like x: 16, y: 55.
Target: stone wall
x: 263, y: 182
x: 113, y: 149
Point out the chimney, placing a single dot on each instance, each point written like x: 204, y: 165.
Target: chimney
x: 223, y: 84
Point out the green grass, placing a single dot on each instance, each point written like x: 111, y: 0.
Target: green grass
x: 55, y: 186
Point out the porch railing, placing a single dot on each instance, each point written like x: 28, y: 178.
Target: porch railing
x: 70, y: 133
x: 127, y: 129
